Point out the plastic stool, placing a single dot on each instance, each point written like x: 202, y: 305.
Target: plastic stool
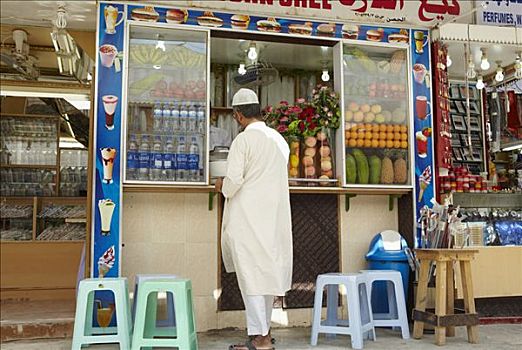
x: 360, y: 319
x: 84, y: 333
x: 183, y: 335
x: 170, y: 321
x: 397, y: 316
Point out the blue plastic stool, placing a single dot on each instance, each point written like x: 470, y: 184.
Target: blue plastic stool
x: 84, y: 333
x: 360, y: 319
x: 170, y: 321
x: 146, y: 334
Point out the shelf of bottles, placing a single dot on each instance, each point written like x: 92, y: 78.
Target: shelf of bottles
x: 73, y: 172
x: 166, y: 125
x: 16, y: 220
x: 376, y: 116
x: 28, y: 155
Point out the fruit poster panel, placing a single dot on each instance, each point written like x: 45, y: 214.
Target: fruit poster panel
x: 107, y: 141
x: 424, y: 165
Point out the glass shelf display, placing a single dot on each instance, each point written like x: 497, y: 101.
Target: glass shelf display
x: 377, y: 119
x: 16, y: 221
x: 166, y: 124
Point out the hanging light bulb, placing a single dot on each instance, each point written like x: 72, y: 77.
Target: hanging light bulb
x: 484, y: 63
x: 61, y: 20
x: 449, y: 62
x: 500, y: 73
x: 325, y: 76
x: 471, y: 69
x: 241, y: 70
x: 160, y: 43
x: 480, y: 83
x: 518, y: 66
x: 252, y: 52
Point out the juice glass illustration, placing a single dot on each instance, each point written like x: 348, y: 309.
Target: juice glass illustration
x: 422, y: 144
x: 109, y: 105
x: 110, y: 14
x: 421, y: 107
x: 420, y: 41
x: 106, y: 208
x: 109, y: 56
x: 108, y: 155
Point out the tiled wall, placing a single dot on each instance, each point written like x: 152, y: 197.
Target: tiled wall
x: 177, y: 234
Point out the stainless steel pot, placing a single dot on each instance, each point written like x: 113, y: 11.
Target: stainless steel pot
x: 218, y: 161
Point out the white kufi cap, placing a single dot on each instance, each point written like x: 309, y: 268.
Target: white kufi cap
x: 244, y: 97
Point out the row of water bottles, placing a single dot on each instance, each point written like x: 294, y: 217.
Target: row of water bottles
x: 164, y: 159
x: 170, y: 118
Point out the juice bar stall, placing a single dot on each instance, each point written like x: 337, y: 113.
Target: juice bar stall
x: 352, y: 99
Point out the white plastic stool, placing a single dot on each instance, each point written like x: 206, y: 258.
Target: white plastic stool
x: 360, y: 319
x: 397, y: 316
x: 170, y: 321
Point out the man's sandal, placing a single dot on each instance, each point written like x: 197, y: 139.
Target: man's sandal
x: 248, y: 346
x: 251, y: 337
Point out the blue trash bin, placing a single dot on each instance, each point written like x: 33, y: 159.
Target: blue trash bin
x: 386, y: 252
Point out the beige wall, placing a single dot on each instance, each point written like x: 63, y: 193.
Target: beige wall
x: 177, y: 234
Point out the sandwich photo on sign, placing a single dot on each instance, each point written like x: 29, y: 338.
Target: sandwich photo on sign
x: 176, y: 16
x: 209, y: 20
x: 326, y: 29
x: 301, y: 29
x: 145, y: 14
x: 269, y: 25
x: 240, y: 21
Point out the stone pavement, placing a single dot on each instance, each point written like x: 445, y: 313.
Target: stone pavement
x: 492, y: 337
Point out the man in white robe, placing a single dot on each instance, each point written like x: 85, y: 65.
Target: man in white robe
x: 257, y: 229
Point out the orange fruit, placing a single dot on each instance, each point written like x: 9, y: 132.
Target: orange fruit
x: 389, y: 144
x: 404, y: 128
x: 375, y: 135
x: 353, y: 135
x: 389, y: 128
x: 367, y: 143
x: 360, y: 143
x: 404, y: 144
x: 389, y: 136
x: 396, y: 144
x: 368, y: 135
x: 368, y: 127
x: 382, y: 127
x: 382, y: 135
x: 352, y: 143
x: 396, y: 136
x: 382, y: 143
x: 396, y: 128
x: 347, y: 134
x: 404, y: 137
x: 375, y: 143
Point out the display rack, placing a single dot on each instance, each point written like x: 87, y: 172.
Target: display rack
x: 462, y: 154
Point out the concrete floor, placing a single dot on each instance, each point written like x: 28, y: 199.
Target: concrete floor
x: 497, y: 337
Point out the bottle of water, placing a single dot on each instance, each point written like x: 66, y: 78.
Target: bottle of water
x: 193, y: 160
x: 132, y: 159
x: 174, y: 114
x: 167, y: 119
x: 157, y: 124
x: 183, y: 118
x: 202, y: 125
x: 156, y: 161
x: 169, y: 160
x: 192, y: 119
x: 144, y: 159
x: 181, y: 160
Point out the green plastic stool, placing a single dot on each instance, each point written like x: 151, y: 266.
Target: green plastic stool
x: 84, y: 333
x: 146, y: 334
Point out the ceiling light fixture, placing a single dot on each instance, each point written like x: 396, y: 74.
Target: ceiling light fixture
x: 61, y: 17
x: 500, y: 72
x: 241, y: 70
x: 480, y: 83
x: 160, y: 43
x: 252, y: 52
x: 518, y: 66
x: 325, y: 76
x: 471, y: 69
x: 449, y: 62
x: 484, y: 63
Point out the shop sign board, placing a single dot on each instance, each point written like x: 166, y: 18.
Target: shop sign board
x: 424, y: 13
x: 499, y: 13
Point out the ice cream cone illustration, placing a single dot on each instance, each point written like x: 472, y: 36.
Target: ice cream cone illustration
x: 106, y: 262
x: 424, y: 182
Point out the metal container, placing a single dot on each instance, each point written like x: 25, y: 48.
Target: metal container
x: 218, y: 161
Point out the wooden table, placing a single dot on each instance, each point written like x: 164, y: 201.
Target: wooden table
x: 444, y: 319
